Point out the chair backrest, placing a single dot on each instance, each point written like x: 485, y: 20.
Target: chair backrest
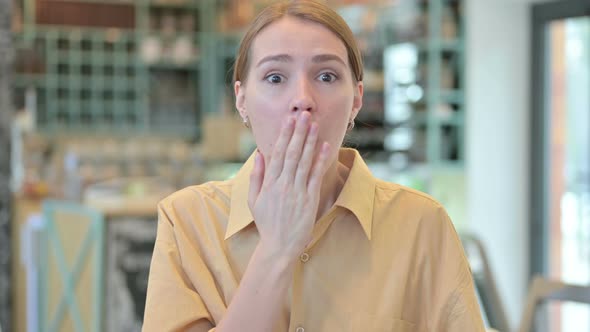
x: 544, y: 290
x: 485, y: 283
x: 71, y: 268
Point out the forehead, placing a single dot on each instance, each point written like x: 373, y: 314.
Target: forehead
x: 296, y: 37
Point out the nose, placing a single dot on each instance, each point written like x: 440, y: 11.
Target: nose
x: 303, y: 99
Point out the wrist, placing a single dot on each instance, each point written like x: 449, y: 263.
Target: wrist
x: 274, y: 256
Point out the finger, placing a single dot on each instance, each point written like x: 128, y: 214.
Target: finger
x: 295, y: 147
x: 319, y: 169
x: 256, y: 179
x: 302, y: 174
x: 275, y: 165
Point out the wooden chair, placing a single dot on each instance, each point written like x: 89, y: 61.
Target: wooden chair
x: 544, y: 290
x: 485, y: 283
x: 71, y: 268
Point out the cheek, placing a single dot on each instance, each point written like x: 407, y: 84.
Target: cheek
x: 266, y: 118
x: 334, y: 118
x: 263, y: 102
x: 337, y: 109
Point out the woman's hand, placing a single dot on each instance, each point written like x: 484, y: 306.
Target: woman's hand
x: 285, y: 191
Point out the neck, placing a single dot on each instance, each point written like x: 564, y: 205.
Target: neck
x: 332, y: 185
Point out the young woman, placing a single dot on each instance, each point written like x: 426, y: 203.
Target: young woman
x: 304, y: 238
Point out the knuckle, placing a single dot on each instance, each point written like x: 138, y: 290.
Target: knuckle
x: 283, y: 188
x: 291, y: 154
x: 306, y: 156
x: 266, y: 186
x: 291, y: 157
x: 276, y: 152
x: 299, y: 173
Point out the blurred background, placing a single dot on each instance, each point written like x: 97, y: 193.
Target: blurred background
x: 107, y: 106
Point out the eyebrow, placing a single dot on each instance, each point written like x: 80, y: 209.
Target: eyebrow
x: 287, y: 58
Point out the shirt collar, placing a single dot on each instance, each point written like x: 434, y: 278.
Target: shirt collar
x: 357, y: 195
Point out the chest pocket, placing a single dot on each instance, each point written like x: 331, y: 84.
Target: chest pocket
x: 377, y: 323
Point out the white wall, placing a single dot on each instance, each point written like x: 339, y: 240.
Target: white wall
x: 498, y: 63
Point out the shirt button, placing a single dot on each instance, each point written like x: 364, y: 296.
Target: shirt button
x: 300, y: 329
x: 304, y: 258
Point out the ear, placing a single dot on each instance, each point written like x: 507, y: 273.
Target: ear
x: 240, y: 94
x: 357, y: 102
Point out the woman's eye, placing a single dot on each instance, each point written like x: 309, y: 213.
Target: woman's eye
x: 274, y: 78
x: 327, y: 77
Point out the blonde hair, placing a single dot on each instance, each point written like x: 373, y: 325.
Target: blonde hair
x: 303, y: 9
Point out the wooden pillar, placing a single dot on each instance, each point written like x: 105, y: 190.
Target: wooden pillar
x: 6, y: 55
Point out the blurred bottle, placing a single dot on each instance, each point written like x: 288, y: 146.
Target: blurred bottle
x: 73, y: 183
x: 184, y: 52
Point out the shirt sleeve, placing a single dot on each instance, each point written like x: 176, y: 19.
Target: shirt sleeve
x: 463, y: 311
x: 456, y: 304
x: 172, y: 303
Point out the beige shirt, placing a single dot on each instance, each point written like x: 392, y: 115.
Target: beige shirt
x: 384, y: 258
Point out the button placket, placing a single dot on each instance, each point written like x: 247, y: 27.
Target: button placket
x: 296, y: 313
x: 304, y: 257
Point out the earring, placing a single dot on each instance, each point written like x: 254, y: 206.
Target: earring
x: 246, y: 122
x: 350, y: 125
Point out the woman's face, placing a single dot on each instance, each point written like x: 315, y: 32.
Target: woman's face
x: 295, y: 66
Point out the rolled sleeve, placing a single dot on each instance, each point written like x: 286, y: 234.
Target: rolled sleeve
x: 172, y: 303
x: 458, y: 305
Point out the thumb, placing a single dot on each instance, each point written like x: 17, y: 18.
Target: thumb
x: 256, y: 179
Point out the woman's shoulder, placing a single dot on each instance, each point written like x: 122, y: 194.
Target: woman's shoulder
x: 408, y: 209
x: 195, y: 195
x: 414, y: 216
x: 389, y: 192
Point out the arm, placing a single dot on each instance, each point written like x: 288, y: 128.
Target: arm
x: 257, y: 304
x: 457, y: 304
x: 284, y: 198
x: 171, y: 303
x: 463, y: 311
